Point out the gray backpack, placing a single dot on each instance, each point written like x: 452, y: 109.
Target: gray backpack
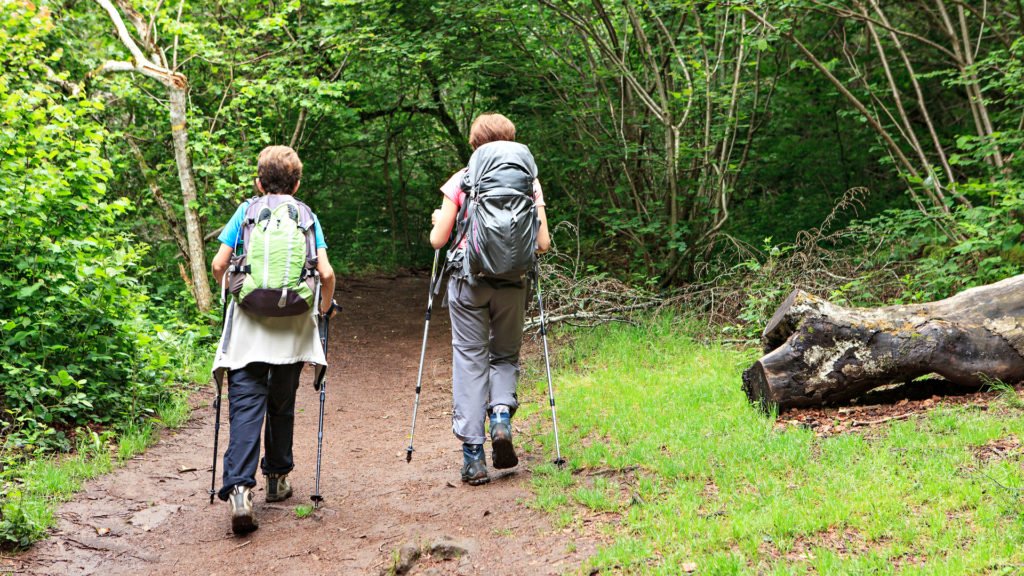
x: 498, y: 218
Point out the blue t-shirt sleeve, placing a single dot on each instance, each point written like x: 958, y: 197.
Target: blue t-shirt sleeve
x: 229, y: 235
x: 319, y: 233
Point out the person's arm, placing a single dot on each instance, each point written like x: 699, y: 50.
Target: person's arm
x: 543, y: 238
x: 443, y: 220
x: 221, y: 261
x: 228, y: 239
x: 327, y: 280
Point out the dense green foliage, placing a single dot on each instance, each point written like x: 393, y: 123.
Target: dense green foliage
x: 73, y: 298
x: 78, y: 345
x: 665, y: 131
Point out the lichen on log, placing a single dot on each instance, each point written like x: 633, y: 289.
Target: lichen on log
x: 819, y: 353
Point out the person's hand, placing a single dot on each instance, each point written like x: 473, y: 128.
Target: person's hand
x: 329, y: 309
x: 433, y: 217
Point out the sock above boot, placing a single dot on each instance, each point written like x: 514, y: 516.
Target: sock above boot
x: 472, y: 451
x: 500, y: 413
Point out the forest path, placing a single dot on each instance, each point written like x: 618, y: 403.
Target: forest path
x: 153, y: 516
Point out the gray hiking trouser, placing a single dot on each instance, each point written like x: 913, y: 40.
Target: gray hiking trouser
x: 487, y: 333
x: 259, y: 396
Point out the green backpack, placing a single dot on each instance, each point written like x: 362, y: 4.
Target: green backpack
x: 275, y: 272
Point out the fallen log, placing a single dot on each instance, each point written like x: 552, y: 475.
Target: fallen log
x: 819, y: 353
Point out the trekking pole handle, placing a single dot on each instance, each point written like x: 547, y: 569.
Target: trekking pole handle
x: 335, y: 307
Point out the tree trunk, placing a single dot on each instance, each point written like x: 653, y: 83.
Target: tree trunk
x: 818, y: 353
x: 169, y: 218
x: 177, y: 88
x: 193, y: 231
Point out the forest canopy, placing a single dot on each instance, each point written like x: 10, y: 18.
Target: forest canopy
x: 662, y: 128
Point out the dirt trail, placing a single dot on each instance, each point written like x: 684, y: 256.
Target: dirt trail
x: 153, y: 515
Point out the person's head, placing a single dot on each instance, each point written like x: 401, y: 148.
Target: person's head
x: 278, y: 170
x: 491, y: 128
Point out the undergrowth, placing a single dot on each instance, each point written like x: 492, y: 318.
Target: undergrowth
x: 35, y: 479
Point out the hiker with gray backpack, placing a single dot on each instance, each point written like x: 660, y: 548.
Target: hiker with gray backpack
x: 278, y: 286
x: 496, y: 207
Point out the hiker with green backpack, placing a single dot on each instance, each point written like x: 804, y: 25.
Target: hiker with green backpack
x: 276, y: 279
x: 496, y: 207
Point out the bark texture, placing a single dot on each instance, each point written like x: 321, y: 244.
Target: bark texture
x: 817, y: 353
x: 193, y: 228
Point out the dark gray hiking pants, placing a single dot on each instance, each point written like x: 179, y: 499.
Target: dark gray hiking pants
x: 256, y: 393
x: 487, y: 333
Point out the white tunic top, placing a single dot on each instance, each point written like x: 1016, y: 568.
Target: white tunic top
x: 249, y: 338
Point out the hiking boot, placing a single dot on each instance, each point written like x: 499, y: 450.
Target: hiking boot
x: 278, y: 488
x: 503, y: 454
x: 243, y: 517
x: 474, y: 466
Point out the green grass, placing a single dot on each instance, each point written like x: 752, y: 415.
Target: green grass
x: 303, y: 511
x: 27, y: 506
x: 134, y: 440
x: 705, y: 478
x: 33, y: 481
x: 31, y: 489
x: 174, y: 411
x: 27, y: 511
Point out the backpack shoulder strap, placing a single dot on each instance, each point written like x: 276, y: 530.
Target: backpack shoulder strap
x: 239, y: 264
x: 468, y: 184
x: 248, y: 218
x: 307, y: 222
x: 305, y: 214
x: 461, y: 229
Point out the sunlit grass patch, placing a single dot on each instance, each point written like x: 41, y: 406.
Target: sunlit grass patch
x: 134, y: 440
x: 28, y: 504
x: 688, y: 473
x: 27, y: 511
x: 174, y: 411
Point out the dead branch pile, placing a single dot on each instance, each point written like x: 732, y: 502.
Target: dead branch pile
x: 577, y: 296
x: 737, y: 283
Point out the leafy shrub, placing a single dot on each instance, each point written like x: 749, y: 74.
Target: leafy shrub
x: 947, y: 253
x: 902, y: 256
x: 79, y: 350
x: 72, y: 304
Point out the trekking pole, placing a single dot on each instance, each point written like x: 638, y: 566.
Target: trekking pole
x: 547, y: 364
x: 321, y: 384
x: 423, y: 352
x: 216, y: 435
x: 216, y: 402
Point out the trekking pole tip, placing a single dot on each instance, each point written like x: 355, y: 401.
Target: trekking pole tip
x: 560, y: 462
x: 317, y: 499
x: 408, y: 454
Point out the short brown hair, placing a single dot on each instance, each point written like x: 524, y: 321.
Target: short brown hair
x: 279, y: 169
x: 491, y: 128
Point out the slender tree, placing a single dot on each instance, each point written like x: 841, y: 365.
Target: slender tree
x: 155, y: 66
